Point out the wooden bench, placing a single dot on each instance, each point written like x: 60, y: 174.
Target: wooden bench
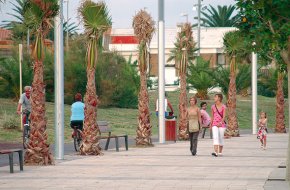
x: 10, y: 154
x: 104, y: 128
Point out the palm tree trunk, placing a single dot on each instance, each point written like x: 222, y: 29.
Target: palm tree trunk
x: 38, y: 151
x: 280, y: 117
x: 144, y: 128
x: 182, y: 125
x: 233, y: 126
x: 90, y: 144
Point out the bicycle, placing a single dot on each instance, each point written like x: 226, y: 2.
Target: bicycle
x: 76, y: 135
x: 26, y: 129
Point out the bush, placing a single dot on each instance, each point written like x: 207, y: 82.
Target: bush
x: 199, y: 77
x: 9, y: 75
x: 117, y: 81
x: 10, y: 122
x: 267, y: 83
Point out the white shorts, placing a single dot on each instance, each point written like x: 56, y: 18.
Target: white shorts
x: 218, y: 135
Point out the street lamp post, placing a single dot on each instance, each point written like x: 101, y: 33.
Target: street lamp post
x: 59, y: 84
x: 254, y: 93
x: 67, y: 34
x: 198, y: 27
x: 161, y: 72
x: 185, y: 15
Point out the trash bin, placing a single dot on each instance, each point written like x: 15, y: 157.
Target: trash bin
x: 170, y: 129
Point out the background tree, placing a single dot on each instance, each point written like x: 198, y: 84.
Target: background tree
x: 200, y: 78
x: 221, y: 77
x: 20, y: 29
x: 267, y: 23
x: 223, y: 16
x: 183, y: 56
x: 38, y: 16
x: 143, y: 25
x: 235, y: 49
x: 96, y: 20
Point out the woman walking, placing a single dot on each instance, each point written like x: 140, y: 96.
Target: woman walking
x: 194, y: 118
x: 218, y: 124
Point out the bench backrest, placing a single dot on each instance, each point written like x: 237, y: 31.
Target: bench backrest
x: 104, y: 127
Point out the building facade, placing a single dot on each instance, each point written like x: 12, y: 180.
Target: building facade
x: 124, y: 42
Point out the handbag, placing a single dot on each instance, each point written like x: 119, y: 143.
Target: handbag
x: 225, y: 123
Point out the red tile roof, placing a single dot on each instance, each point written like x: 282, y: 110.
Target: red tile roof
x: 5, y: 34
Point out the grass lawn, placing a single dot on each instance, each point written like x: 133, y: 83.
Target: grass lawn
x: 125, y: 120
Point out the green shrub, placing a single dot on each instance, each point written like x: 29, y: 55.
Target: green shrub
x: 9, y: 75
x: 10, y: 122
x: 117, y: 81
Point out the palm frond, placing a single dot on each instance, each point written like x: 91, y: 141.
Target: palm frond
x: 183, y: 53
x: 95, y: 17
x: 144, y: 26
x: 222, y: 16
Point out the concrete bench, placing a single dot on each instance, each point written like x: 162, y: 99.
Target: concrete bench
x: 10, y: 153
x: 104, y: 128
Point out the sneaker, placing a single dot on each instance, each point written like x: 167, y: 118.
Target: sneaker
x: 220, y: 154
x: 214, y: 154
x: 262, y: 146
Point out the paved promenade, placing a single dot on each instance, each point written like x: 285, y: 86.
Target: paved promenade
x: 243, y: 166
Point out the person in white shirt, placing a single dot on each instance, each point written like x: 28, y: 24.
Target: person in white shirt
x: 166, y: 104
x: 24, y: 103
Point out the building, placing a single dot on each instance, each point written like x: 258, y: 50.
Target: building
x: 6, y: 44
x: 124, y: 42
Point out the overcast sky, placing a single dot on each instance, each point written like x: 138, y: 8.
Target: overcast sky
x: 122, y: 11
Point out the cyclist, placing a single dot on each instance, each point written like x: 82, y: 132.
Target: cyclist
x: 77, y: 112
x: 25, y: 103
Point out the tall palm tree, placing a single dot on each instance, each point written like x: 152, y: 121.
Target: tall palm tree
x: 96, y: 19
x: 280, y: 113
x: 235, y: 50
x: 143, y: 25
x: 39, y: 15
x: 220, y: 17
x: 183, y: 55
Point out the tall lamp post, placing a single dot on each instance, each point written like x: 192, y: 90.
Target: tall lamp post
x: 67, y: 34
x: 254, y: 93
x: 59, y: 84
x: 198, y: 27
x: 185, y: 15
x: 161, y: 72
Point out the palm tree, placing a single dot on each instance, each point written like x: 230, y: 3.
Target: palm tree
x: 220, y: 17
x: 96, y: 19
x: 143, y: 25
x: 39, y: 15
x: 200, y: 78
x: 235, y: 49
x: 221, y: 77
x: 20, y: 29
x: 183, y: 55
x: 280, y: 116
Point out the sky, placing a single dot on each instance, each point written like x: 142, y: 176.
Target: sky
x: 122, y: 11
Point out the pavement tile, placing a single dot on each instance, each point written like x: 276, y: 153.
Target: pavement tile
x: 169, y: 166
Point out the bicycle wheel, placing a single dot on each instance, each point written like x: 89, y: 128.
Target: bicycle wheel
x: 79, y: 137
x: 76, y: 144
x: 25, y: 136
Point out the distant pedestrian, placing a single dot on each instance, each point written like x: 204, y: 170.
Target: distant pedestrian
x: 194, y: 118
x: 166, y: 105
x: 205, y: 119
x: 262, y: 132
x: 218, y: 124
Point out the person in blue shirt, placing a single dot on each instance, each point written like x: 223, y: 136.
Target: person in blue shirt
x: 77, y: 112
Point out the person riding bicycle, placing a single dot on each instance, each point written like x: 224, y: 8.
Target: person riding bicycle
x: 25, y: 103
x: 77, y: 112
